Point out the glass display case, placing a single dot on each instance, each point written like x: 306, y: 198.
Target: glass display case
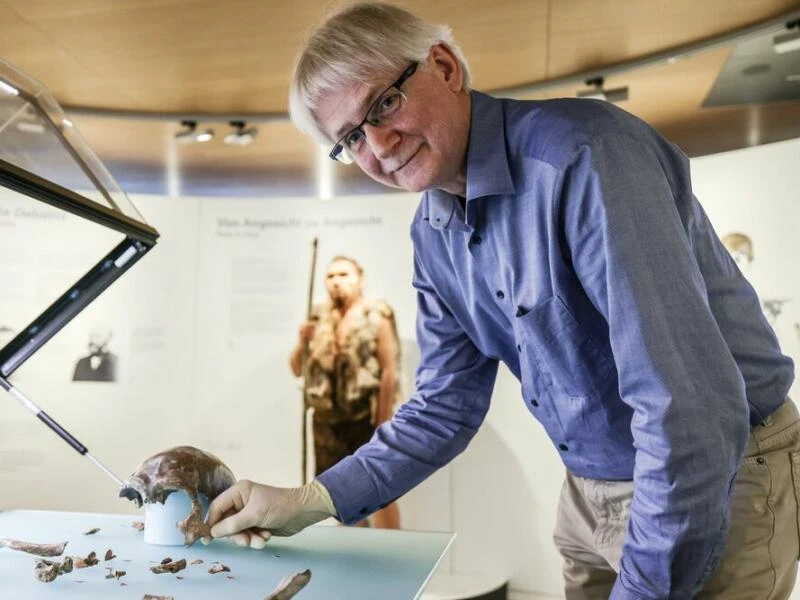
x: 67, y: 230
x: 48, y: 174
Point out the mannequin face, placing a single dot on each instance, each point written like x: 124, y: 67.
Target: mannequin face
x: 343, y: 283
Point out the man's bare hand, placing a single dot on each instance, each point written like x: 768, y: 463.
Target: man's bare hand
x: 306, y: 331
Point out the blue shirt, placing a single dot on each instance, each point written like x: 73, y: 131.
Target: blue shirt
x: 582, y: 260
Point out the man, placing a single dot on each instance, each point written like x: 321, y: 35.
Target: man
x: 100, y: 364
x: 351, y: 370
x: 561, y: 237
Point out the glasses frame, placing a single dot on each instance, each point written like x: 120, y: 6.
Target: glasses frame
x: 339, y: 150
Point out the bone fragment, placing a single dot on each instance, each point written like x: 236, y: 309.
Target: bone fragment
x: 47, y: 571
x: 220, y: 568
x: 170, y: 567
x: 31, y: 548
x: 290, y: 585
x: 193, y: 527
x: 81, y: 562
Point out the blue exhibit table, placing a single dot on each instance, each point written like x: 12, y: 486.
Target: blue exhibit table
x: 347, y: 563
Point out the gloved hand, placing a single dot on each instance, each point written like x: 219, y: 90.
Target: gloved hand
x: 250, y: 513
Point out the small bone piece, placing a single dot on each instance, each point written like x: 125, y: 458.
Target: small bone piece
x: 197, y: 561
x: 193, y: 527
x: 170, y: 567
x: 89, y: 561
x: 151, y: 597
x: 30, y: 548
x: 110, y: 555
x: 114, y: 574
x: 220, y: 568
x: 47, y: 571
x: 290, y: 585
x: 92, y: 531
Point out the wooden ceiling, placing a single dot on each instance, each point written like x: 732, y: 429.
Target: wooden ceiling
x: 234, y: 57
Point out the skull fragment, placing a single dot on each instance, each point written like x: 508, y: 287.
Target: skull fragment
x: 183, y: 468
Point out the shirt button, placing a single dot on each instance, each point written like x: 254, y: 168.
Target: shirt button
x: 476, y: 239
x: 500, y: 294
x: 535, y: 403
x: 563, y: 447
x: 519, y: 348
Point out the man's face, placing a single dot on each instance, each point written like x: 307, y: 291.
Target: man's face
x: 343, y: 282
x: 424, y: 146
x: 98, y: 339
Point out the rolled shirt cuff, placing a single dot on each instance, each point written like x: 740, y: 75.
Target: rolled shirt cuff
x: 352, y: 491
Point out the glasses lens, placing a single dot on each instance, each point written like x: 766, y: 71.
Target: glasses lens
x: 340, y: 154
x: 386, y: 107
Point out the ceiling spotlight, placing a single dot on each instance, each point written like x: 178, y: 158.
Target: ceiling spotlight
x: 598, y: 93
x: 30, y: 126
x: 242, y: 136
x: 191, y: 135
x: 788, y: 42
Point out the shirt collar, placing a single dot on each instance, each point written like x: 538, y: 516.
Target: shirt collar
x: 488, y: 173
x: 487, y: 163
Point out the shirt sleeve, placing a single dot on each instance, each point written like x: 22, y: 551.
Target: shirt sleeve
x: 627, y: 210
x: 453, y: 391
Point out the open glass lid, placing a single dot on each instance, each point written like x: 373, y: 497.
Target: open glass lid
x: 67, y: 230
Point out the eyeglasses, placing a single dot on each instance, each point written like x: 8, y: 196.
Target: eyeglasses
x: 385, y: 108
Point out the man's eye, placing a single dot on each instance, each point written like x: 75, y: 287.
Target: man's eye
x: 353, y: 138
x: 387, y: 104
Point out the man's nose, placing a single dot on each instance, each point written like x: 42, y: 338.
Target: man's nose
x: 382, y: 140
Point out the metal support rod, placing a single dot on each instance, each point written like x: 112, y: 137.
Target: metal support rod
x: 65, y: 435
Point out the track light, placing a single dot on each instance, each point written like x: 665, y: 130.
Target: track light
x: 788, y: 42
x: 191, y: 135
x: 598, y: 93
x: 242, y: 136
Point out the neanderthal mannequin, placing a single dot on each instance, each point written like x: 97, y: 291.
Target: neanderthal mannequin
x: 351, y: 369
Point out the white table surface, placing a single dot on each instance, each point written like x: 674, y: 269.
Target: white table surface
x: 347, y: 563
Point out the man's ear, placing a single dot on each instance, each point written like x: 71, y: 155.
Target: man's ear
x: 448, y: 66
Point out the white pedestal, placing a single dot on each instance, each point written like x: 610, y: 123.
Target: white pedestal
x: 161, y: 520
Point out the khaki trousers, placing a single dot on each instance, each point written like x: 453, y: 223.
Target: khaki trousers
x: 762, y: 549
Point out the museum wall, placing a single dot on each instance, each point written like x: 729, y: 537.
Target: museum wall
x: 203, y: 325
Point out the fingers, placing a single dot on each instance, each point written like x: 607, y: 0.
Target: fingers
x: 227, y: 514
x: 259, y: 538
x: 253, y: 538
x: 240, y: 539
x: 229, y: 501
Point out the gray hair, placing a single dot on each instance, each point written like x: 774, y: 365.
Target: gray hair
x: 355, y: 45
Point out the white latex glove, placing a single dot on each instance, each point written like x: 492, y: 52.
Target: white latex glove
x: 250, y: 513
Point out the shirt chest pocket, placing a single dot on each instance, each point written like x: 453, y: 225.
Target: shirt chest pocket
x: 557, y: 352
